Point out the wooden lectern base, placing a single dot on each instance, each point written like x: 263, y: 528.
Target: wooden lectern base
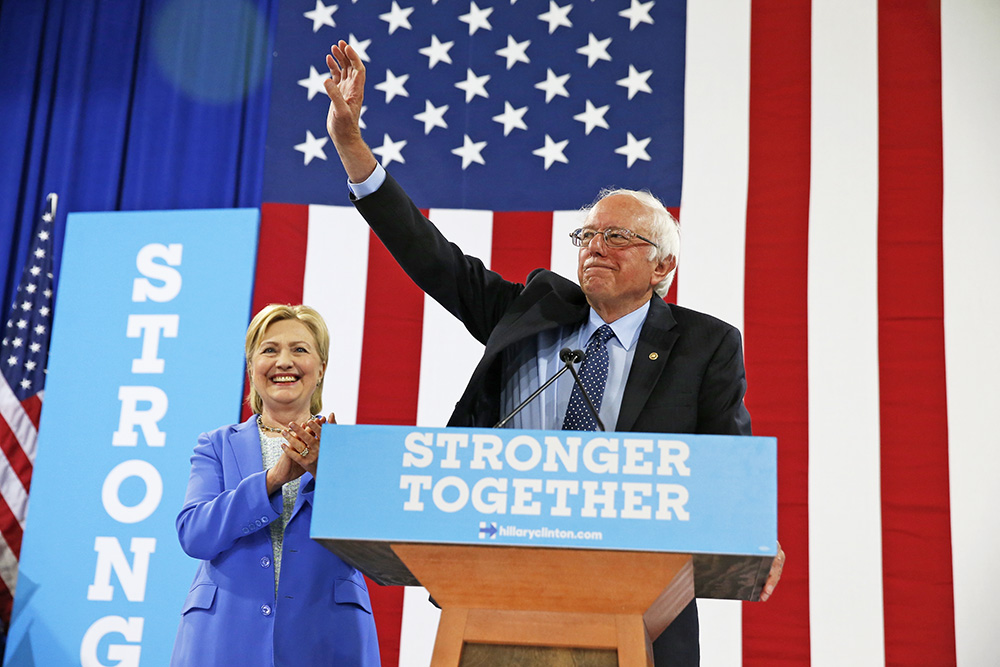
x: 490, y: 655
x: 494, y: 599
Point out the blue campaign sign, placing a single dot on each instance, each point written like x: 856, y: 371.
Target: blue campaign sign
x: 628, y: 491
x: 146, y: 353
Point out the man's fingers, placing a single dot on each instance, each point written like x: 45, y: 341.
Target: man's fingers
x: 334, y: 68
x: 353, y: 57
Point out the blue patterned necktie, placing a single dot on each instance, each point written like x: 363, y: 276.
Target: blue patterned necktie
x: 593, y: 376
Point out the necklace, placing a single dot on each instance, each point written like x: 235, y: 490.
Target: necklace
x: 263, y: 427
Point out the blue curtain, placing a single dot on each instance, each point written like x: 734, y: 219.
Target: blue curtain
x: 128, y: 105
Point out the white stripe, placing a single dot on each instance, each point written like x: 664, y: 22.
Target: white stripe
x: 563, y: 258
x: 13, y: 492
x: 716, y: 154
x: 448, y: 357
x: 8, y: 566
x: 18, y: 420
x: 335, y: 282
x: 419, y: 628
x: 449, y: 354
x: 970, y: 37
x: 713, y: 215
x: 845, y: 535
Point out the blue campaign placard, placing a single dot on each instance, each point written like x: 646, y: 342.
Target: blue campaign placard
x: 146, y: 354
x: 628, y: 491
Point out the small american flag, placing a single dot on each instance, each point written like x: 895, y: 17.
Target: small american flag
x: 23, y: 354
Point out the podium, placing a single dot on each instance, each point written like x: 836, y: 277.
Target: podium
x: 540, y: 543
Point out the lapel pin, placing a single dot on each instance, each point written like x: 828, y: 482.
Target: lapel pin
x: 653, y: 356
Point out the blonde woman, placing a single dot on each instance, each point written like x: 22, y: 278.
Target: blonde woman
x: 265, y: 593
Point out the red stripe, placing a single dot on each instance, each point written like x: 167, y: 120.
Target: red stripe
x: 18, y: 460
x: 12, y: 534
x: 916, y: 526
x: 281, y: 254
x: 777, y: 632
x: 33, y: 407
x: 281, y: 260
x: 387, y: 391
x: 522, y: 242
x: 6, y: 604
x: 394, y: 316
x: 10, y: 528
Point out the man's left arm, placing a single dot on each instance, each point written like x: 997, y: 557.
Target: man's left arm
x: 721, y: 411
x: 720, y: 399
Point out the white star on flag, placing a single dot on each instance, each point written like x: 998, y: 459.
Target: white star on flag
x: 390, y: 150
x: 361, y: 46
x: 635, y: 81
x: 556, y: 16
x: 515, y: 51
x: 397, y: 17
x: 432, y: 116
x: 437, y: 52
x: 511, y: 118
x: 393, y: 85
x: 552, y: 151
x: 637, y: 13
x: 473, y: 85
x: 477, y: 18
x: 470, y: 151
x: 634, y: 149
x: 553, y: 85
x: 322, y: 15
x: 312, y: 147
x: 314, y: 83
x: 596, y: 49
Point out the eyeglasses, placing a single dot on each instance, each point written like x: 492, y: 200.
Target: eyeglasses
x: 617, y: 237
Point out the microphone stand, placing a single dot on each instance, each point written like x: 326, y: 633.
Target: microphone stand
x: 568, y: 357
x: 586, y: 397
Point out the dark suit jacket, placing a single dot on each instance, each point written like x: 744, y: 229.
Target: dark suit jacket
x: 687, y: 375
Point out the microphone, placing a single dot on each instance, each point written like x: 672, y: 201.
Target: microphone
x: 568, y: 357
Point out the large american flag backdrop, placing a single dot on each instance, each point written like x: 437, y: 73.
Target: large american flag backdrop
x: 833, y: 165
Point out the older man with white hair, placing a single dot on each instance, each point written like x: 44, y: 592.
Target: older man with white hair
x: 661, y: 368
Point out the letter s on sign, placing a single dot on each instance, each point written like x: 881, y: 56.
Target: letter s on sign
x: 418, y: 452
x: 142, y: 288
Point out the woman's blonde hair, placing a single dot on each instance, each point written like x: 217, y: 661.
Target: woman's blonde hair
x: 277, y: 312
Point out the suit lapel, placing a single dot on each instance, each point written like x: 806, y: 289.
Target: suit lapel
x: 549, y: 312
x: 245, y: 446
x: 656, y: 340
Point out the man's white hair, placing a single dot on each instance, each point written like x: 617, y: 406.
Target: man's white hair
x: 664, y: 230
